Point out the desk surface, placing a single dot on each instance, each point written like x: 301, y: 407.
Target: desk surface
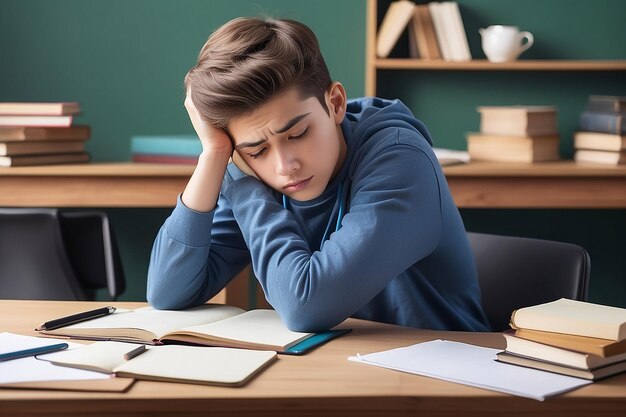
x: 562, y: 184
x: 323, y: 382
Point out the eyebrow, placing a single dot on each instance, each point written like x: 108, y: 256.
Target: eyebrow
x: 283, y: 129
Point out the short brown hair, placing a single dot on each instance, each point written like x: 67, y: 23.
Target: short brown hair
x: 248, y: 61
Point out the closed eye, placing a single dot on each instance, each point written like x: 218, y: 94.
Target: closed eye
x: 258, y: 154
x: 301, y: 135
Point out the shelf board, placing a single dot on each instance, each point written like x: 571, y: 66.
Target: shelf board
x: 484, y: 65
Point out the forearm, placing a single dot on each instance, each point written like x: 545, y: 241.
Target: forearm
x: 203, y: 188
x: 194, y: 256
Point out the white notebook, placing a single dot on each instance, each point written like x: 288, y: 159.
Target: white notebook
x: 172, y: 363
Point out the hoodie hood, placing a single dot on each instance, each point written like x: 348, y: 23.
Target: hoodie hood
x: 370, y: 115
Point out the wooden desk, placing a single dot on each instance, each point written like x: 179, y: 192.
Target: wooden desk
x: 323, y: 382
x: 563, y: 184
x: 476, y: 185
x: 93, y: 185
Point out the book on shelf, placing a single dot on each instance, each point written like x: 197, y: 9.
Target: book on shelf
x: 606, y: 104
x: 39, y: 121
x: 52, y: 159
x: 41, y: 109
x: 182, y: 145
x: 590, y: 374
x: 24, y: 133
x: 573, y: 317
x: 437, y: 14
x: 455, y: 32
x: 599, y: 141
x: 483, y: 147
x: 603, y: 122
x: 185, y: 364
x: 165, y: 159
x: 561, y: 356
x: 208, y: 325
x: 422, y: 34
x: 40, y: 148
x: 395, y: 21
x: 518, y: 120
x: 591, y: 345
x: 600, y: 157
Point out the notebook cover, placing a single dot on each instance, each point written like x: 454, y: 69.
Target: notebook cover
x: 97, y: 385
x: 314, y: 341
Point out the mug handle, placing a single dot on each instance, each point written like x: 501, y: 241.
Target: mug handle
x: 529, y: 40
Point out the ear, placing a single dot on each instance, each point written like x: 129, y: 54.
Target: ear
x: 336, y: 101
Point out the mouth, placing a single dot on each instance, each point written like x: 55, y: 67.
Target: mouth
x: 297, y: 185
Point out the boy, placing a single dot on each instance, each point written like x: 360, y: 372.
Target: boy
x: 341, y: 207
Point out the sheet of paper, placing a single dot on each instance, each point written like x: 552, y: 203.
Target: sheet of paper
x: 471, y: 365
x: 451, y: 157
x: 32, y: 369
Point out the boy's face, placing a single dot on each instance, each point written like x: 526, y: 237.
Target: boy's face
x: 292, y: 144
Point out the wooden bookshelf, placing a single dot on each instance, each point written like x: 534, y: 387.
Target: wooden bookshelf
x: 373, y: 64
x: 484, y: 65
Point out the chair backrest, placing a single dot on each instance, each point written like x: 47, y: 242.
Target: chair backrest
x: 51, y: 255
x: 515, y: 272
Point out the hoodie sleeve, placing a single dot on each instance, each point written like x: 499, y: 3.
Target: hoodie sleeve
x: 394, y: 220
x: 194, y: 256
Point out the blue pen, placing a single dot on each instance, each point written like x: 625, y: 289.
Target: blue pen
x: 32, y: 352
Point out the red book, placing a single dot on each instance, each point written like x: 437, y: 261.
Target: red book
x: 165, y: 159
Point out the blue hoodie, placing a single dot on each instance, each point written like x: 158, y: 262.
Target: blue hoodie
x: 400, y: 256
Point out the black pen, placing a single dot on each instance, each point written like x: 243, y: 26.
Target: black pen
x: 76, y: 318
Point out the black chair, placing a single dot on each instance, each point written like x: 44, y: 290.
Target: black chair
x: 515, y: 272
x: 49, y: 254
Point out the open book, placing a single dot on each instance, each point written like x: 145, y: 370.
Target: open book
x: 208, y: 325
x: 187, y: 364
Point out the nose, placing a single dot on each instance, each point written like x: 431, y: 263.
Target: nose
x: 286, y: 162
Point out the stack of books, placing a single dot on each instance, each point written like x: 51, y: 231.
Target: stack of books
x: 602, y: 134
x: 436, y: 30
x: 568, y: 337
x: 166, y: 149
x: 515, y: 134
x: 41, y: 134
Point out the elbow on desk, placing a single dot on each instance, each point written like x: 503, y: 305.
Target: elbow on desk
x: 306, y: 308
x: 159, y: 301
x: 162, y: 298
x: 307, y: 319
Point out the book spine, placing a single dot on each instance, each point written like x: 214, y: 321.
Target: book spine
x: 606, y: 106
x: 36, y: 121
x: 440, y: 31
x: 175, y: 146
x: 457, y: 32
x: 414, y: 48
x: 603, y: 122
x: 165, y: 159
x: 426, y: 38
x: 395, y: 21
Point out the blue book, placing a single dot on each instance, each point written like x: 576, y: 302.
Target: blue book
x: 184, y: 145
x: 603, y: 122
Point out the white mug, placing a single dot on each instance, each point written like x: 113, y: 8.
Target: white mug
x: 504, y: 43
